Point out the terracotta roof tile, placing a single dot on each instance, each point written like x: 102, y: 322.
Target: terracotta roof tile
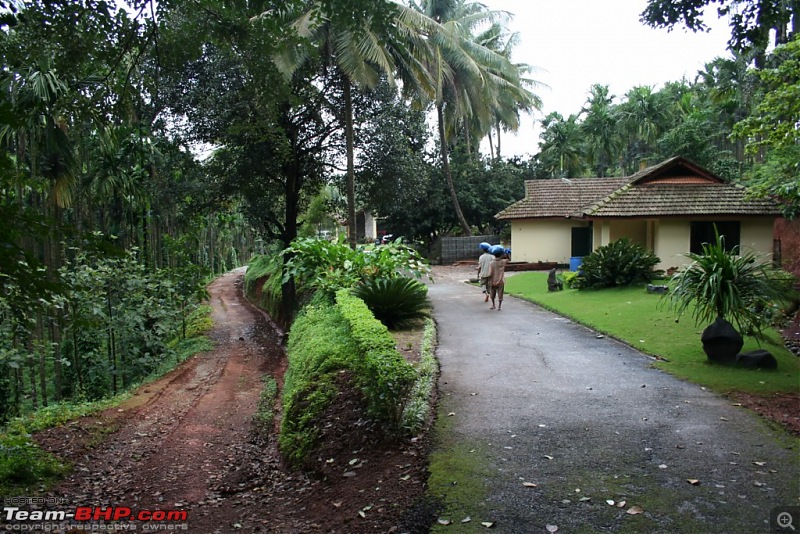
x: 669, y: 199
x: 675, y: 187
x: 559, y: 198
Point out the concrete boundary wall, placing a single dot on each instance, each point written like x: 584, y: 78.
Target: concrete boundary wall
x: 452, y: 249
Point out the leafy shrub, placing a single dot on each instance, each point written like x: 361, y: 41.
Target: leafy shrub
x: 418, y: 407
x: 394, y: 301
x: 268, y: 296
x: 23, y: 464
x: 328, y: 266
x: 570, y: 279
x: 620, y: 263
x: 735, y: 287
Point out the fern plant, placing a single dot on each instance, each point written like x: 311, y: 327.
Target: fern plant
x: 394, y: 301
x: 620, y: 263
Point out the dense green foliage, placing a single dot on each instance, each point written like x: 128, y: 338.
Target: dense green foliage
x: 639, y: 319
x: 394, y: 301
x: 740, y: 287
x: 327, y: 266
x: 115, y: 323
x: 620, y: 263
x: 772, y: 128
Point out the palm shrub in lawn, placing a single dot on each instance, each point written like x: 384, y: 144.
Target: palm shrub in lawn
x: 730, y: 286
x: 394, y: 301
x: 620, y: 263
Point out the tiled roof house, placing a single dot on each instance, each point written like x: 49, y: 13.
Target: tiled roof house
x: 670, y: 208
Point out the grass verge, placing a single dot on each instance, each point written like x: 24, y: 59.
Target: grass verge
x: 645, y: 322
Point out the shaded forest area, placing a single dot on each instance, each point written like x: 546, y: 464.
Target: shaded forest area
x: 148, y: 146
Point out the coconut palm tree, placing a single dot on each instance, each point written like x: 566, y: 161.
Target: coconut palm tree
x: 468, y: 76
x: 363, y: 54
x: 510, y: 99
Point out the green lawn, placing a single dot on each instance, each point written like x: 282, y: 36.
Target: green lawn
x: 645, y: 322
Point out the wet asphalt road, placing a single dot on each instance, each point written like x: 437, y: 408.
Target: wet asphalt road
x: 532, y: 397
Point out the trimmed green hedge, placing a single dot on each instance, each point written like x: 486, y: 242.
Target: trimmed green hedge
x: 325, y: 339
x: 319, y: 346
x: 384, y: 376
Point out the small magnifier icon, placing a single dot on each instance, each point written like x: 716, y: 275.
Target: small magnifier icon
x: 785, y: 520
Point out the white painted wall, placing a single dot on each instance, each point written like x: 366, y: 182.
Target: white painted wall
x: 670, y: 242
x: 757, y: 236
x: 535, y: 240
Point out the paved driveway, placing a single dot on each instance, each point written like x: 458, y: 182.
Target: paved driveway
x: 530, y: 397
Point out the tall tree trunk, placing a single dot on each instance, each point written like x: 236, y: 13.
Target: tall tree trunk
x: 18, y: 390
x: 32, y: 373
x: 112, y: 353
x: 43, y: 376
x: 491, y: 144
x: 448, y: 176
x: 145, y: 240
x: 498, y: 140
x: 55, y: 337
x: 76, y: 359
x: 42, y: 363
x: 351, y: 174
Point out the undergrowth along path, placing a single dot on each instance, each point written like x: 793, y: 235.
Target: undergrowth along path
x: 188, y: 442
x: 185, y: 441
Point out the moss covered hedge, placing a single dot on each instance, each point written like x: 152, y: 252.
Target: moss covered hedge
x: 325, y: 339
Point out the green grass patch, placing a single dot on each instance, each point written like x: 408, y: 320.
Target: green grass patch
x: 457, y: 474
x: 265, y: 410
x: 24, y: 467
x: 645, y: 322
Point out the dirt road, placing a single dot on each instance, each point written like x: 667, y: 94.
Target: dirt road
x: 184, y: 441
x: 187, y: 443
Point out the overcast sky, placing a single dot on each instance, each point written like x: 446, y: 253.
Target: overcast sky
x: 577, y: 43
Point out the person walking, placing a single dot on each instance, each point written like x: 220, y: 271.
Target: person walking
x: 497, y: 278
x: 484, y: 262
